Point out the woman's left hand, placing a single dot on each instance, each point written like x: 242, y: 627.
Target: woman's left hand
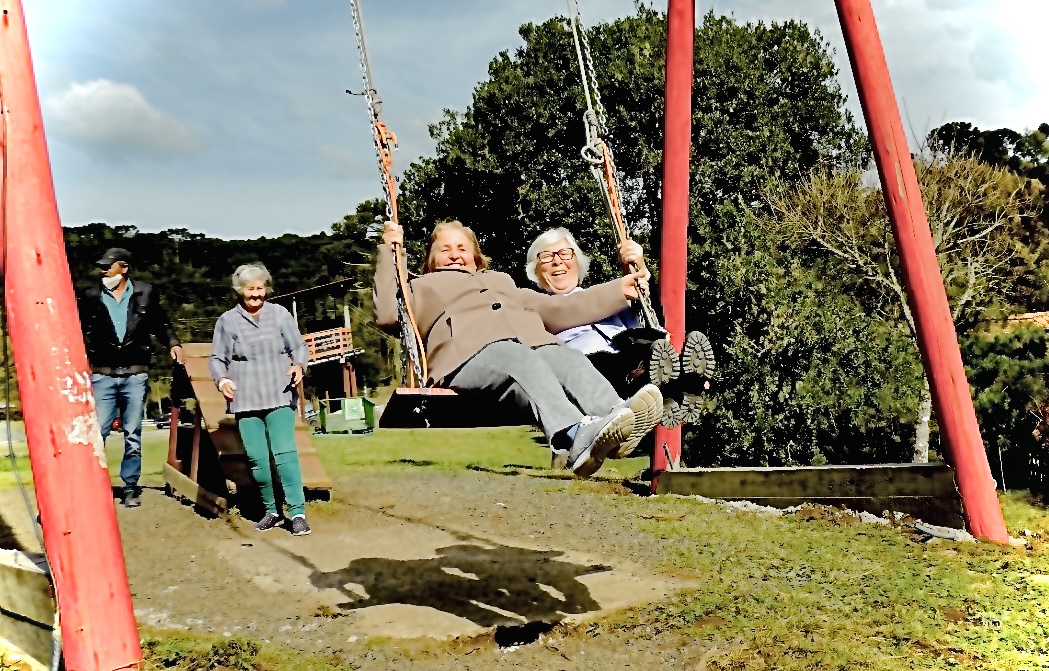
x: 630, y: 284
x: 630, y: 252
x: 295, y: 373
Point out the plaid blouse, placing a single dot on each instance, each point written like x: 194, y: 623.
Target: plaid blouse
x: 256, y: 355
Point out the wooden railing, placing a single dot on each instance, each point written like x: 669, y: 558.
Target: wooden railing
x: 330, y: 345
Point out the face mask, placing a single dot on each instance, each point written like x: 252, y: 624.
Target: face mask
x: 111, y: 282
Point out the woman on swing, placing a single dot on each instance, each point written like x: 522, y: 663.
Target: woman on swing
x: 628, y: 355
x: 483, y: 333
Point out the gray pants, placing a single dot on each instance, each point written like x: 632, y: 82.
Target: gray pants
x: 560, y: 383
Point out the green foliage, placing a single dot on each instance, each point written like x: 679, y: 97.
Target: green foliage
x: 767, y: 106
x: 234, y: 653
x: 193, y: 276
x: 1007, y: 371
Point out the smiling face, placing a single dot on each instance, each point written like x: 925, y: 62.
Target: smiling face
x: 253, y: 294
x: 452, y: 248
x: 557, y: 275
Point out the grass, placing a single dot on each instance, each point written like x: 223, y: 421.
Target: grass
x: 154, y: 455
x: 500, y: 449
x: 776, y: 593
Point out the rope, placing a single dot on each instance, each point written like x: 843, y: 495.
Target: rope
x: 598, y: 154
x: 413, y: 348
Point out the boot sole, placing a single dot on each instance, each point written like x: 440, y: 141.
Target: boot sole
x: 673, y: 414
x: 697, y: 356
x: 663, y: 363
x: 612, y: 435
x: 647, y: 407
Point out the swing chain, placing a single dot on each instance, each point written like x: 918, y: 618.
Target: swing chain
x: 598, y: 154
x: 385, y: 144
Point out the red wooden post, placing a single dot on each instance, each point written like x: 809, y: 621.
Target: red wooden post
x: 65, y: 446
x: 677, y: 145
x: 173, y: 459
x: 937, y: 339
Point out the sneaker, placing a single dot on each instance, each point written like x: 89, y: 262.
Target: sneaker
x: 132, y: 497
x: 673, y: 413
x: 268, y: 521
x: 647, y: 406
x: 299, y: 527
x: 558, y: 459
x: 697, y: 356
x: 663, y: 363
x: 595, y: 437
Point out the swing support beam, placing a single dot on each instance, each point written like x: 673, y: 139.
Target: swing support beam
x: 673, y: 252
x: 926, y: 295
x: 70, y: 475
x: 937, y: 338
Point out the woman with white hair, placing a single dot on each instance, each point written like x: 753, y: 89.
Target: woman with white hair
x: 625, y: 353
x: 258, y: 358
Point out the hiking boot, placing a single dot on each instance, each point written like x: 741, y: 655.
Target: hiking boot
x: 268, y: 521
x: 663, y: 363
x: 691, y: 408
x: 595, y: 437
x: 299, y: 526
x: 697, y: 355
x: 647, y: 406
x: 673, y: 413
x: 132, y: 497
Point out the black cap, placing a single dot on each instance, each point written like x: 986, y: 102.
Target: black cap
x: 112, y: 256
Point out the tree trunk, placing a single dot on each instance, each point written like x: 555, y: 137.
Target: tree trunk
x: 921, y: 433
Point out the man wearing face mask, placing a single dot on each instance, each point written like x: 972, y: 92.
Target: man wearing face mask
x: 118, y: 318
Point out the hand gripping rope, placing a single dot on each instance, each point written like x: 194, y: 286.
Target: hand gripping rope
x: 413, y: 352
x: 598, y: 154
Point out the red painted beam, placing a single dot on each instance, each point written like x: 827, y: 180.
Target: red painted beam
x: 937, y: 338
x: 65, y: 446
x: 677, y: 145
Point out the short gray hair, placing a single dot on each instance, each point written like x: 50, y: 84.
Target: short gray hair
x: 251, y: 271
x: 549, y: 238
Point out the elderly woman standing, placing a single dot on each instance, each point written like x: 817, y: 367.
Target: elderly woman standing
x: 628, y: 355
x: 257, y: 361
x: 482, y: 333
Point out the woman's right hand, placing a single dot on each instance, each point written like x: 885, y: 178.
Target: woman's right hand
x: 392, y: 234
x: 227, y: 388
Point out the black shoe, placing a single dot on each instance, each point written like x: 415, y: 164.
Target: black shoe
x: 697, y: 356
x: 268, y: 521
x: 132, y: 498
x: 299, y: 527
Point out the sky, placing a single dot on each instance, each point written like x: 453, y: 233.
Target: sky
x: 230, y: 117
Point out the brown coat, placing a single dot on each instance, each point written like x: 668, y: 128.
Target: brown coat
x: 459, y: 313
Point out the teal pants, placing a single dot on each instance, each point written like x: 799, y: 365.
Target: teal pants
x: 267, y: 432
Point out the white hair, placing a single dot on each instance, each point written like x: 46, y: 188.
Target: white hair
x: 547, y: 239
x: 251, y: 271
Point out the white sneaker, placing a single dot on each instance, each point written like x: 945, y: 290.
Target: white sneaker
x: 647, y: 406
x: 595, y: 436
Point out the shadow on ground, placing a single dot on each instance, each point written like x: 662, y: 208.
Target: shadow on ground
x: 488, y: 585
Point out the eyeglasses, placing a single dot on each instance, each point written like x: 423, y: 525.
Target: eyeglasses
x: 566, y: 254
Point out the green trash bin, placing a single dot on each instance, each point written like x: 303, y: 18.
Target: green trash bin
x: 359, y: 414
x: 350, y: 415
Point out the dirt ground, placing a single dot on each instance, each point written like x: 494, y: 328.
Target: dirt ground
x: 416, y: 569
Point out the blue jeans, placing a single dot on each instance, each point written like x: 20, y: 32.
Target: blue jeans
x: 126, y: 395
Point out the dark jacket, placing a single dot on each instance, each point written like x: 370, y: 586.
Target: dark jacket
x: 146, y: 318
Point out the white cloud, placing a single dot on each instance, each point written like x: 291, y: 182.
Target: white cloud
x: 115, y: 121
